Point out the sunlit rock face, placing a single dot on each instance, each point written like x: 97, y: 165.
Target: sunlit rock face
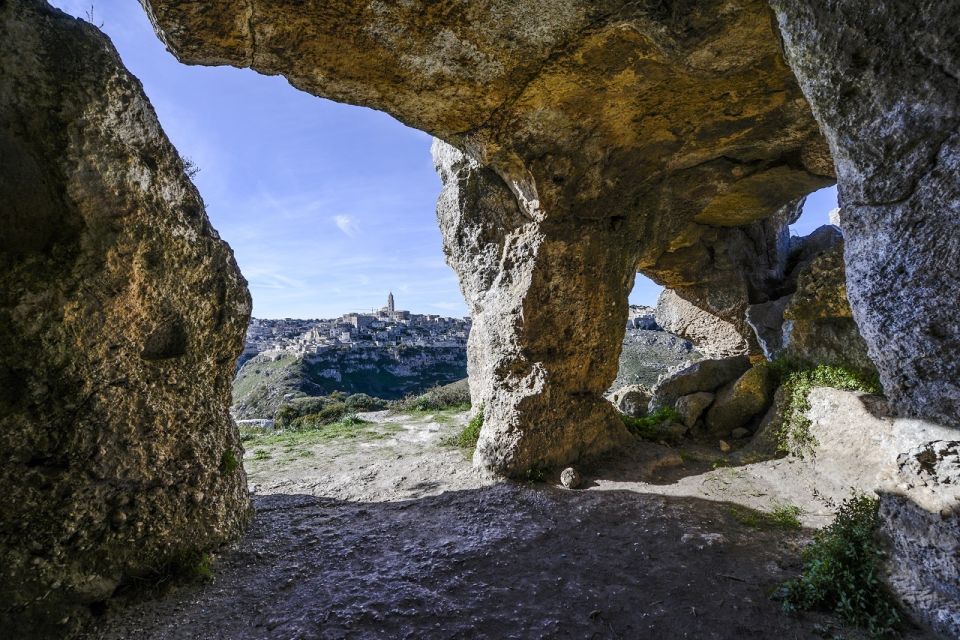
x: 121, y: 316
x: 884, y: 81
x: 613, y: 136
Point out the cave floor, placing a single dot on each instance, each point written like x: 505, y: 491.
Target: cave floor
x: 391, y: 534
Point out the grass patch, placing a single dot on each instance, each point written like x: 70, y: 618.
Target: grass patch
x: 786, y: 516
x: 841, y: 572
x: 650, y: 427
x: 783, y: 516
x: 347, y: 428
x: 202, y: 570
x: 467, y: 438
x: 794, y: 435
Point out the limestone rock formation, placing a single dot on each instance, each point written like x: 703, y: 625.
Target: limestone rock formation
x: 531, y: 366
x: 691, y: 406
x: 812, y: 322
x: 883, y: 79
x: 723, y: 270
x: 121, y: 316
x: 739, y: 401
x: 600, y: 137
x: 706, y: 375
x: 714, y: 337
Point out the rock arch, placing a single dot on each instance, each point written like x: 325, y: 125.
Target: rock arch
x: 594, y: 138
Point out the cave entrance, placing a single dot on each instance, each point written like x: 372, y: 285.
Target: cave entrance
x: 329, y: 209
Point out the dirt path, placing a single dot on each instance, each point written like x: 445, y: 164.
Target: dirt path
x: 391, y: 534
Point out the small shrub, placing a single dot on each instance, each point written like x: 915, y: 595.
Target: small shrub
x: 261, y: 454
x: 228, y: 462
x: 202, y: 569
x: 467, y: 439
x: 648, y: 428
x: 794, y: 436
x: 841, y: 571
x: 363, y: 402
x: 451, y: 396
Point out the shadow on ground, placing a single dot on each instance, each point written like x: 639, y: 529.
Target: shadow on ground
x: 504, y: 561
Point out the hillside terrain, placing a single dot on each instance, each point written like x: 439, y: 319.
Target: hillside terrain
x: 274, y: 368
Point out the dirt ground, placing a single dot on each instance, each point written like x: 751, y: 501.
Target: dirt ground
x: 392, y: 534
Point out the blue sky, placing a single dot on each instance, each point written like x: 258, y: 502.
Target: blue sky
x: 327, y: 206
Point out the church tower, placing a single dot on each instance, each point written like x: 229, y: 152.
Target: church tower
x: 390, y: 307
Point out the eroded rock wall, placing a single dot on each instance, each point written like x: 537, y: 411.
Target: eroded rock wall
x: 619, y: 132
x: 883, y: 79
x: 121, y: 317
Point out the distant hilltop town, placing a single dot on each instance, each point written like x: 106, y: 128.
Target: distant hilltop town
x: 385, y: 327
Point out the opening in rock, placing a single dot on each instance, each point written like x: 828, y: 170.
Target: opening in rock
x: 819, y: 208
x: 329, y: 208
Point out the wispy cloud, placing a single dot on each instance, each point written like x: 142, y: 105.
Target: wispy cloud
x: 346, y: 224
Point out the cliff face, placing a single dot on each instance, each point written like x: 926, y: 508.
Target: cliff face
x: 121, y: 315
x: 383, y: 372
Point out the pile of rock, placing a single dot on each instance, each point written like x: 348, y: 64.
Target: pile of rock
x: 712, y: 398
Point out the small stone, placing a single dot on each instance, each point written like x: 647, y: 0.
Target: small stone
x: 725, y: 446
x: 570, y: 478
x: 739, y: 433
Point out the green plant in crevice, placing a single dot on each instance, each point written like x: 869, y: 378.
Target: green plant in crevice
x: 229, y: 462
x: 842, y: 572
x: 794, y: 435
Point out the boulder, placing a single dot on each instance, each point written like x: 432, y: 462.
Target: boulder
x: 713, y: 337
x: 706, y: 375
x: 632, y: 400
x: 739, y: 401
x: 570, y: 478
x: 818, y: 324
x: 691, y: 407
x: 122, y: 314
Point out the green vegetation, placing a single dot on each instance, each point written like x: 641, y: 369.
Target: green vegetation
x: 228, y: 462
x: 786, y: 516
x: 783, y: 516
x: 455, y: 395
x: 651, y: 426
x: 841, y: 571
x: 313, y: 412
x: 794, y: 436
x: 202, y: 569
x: 467, y: 439
x: 308, y: 434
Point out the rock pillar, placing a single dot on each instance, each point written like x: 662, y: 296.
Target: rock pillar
x: 549, y: 304
x: 883, y: 79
